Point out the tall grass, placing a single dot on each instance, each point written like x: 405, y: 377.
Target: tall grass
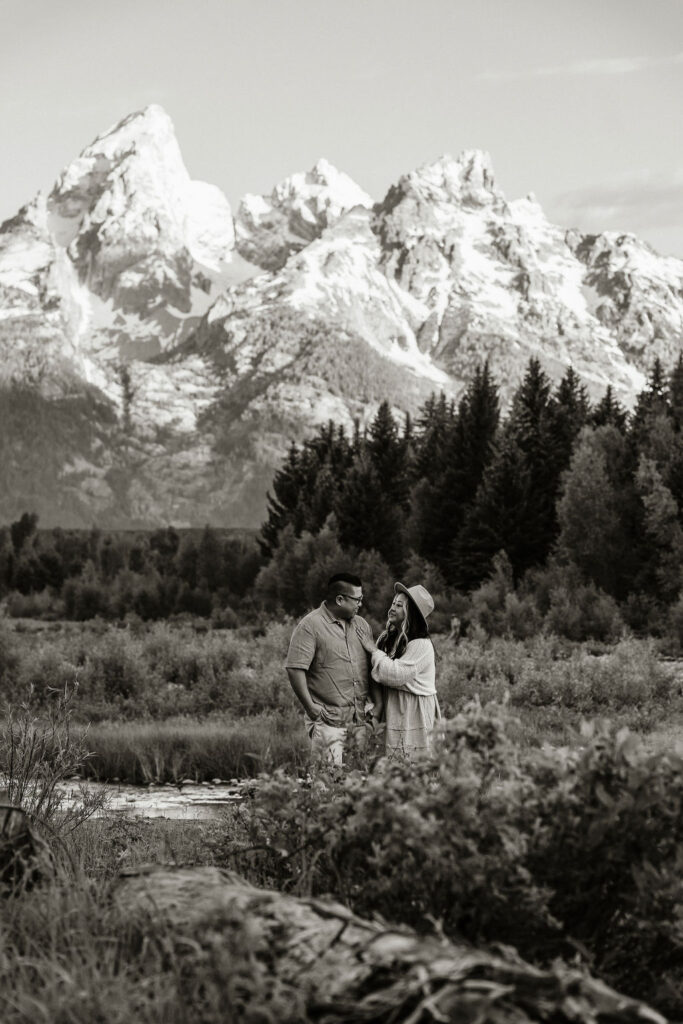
x: 36, y: 755
x: 144, y: 752
x: 69, y: 956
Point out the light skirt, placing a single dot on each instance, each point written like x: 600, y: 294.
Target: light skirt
x: 409, y: 722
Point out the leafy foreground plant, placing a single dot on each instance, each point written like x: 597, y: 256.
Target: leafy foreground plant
x: 200, y: 945
x: 573, y: 853
x: 37, y: 755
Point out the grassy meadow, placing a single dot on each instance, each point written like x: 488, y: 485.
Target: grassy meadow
x: 160, y: 702
x: 549, y: 817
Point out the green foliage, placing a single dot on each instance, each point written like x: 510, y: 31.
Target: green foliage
x: 81, y: 575
x: 503, y: 517
x: 557, y: 478
x: 612, y: 853
x: 553, y: 853
x: 408, y: 841
x: 663, y: 529
x: 596, y: 511
x: 295, y: 579
x: 674, y: 628
x: 156, y: 671
x: 452, y: 457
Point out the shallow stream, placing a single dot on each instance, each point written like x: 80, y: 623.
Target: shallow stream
x: 187, y: 800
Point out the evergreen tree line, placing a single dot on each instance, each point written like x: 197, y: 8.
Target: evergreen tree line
x: 560, y: 515
x: 557, y: 480
x: 153, y: 574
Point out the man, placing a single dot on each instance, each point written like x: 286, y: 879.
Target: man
x: 328, y: 670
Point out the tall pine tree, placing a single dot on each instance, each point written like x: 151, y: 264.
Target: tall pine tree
x: 533, y: 423
x: 388, y: 454
x: 503, y: 517
x: 608, y: 412
x: 441, y: 501
x: 652, y: 402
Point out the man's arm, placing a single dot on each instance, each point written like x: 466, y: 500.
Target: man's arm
x: 299, y: 657
x: 297, y: 680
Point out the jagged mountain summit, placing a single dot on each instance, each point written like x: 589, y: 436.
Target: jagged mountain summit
x: 270, y: 228
x: 119, y: 259
x: 157, y: 354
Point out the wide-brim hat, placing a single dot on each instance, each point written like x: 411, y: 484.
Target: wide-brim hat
x: 419, y: 596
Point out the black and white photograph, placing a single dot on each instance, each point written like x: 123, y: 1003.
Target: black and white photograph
x: 341, y: 512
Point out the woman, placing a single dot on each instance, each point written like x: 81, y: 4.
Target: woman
x: 403, y: 662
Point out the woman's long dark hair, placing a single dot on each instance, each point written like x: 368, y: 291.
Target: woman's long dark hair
x: 394, y: 639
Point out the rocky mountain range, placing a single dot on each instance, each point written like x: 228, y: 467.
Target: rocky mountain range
x: 157, y: 353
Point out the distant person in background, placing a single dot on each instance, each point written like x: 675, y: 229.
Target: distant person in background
x: 456, y: 629
x: 403, y: 662
x: 329, y: 671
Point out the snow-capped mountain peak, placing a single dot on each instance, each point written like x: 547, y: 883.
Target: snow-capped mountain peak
x: 270, y: 228
x: 181, y: 371
x: 129, y: 191
x: 467, y: 180
x: 126, y: 252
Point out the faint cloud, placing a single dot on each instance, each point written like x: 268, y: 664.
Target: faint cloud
x: 597, y: 66
x: 635, y: 204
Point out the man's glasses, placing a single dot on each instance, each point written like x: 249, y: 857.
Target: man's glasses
x: 358, y: 600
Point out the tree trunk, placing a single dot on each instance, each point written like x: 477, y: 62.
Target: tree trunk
x: 332, y: 966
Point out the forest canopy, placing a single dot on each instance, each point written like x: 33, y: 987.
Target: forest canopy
x: 557, y: 514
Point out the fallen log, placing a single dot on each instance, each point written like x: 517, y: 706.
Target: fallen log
x: 25, y: 858
x: 340, y: 967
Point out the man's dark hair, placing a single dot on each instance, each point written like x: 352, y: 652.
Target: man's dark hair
x: 338, y: 583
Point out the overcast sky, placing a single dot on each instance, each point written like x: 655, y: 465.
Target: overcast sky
x: 578, y: 101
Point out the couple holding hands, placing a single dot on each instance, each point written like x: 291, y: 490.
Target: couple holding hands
x: 347, y: 683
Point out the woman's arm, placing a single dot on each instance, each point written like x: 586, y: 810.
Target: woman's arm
x: 399, y: 673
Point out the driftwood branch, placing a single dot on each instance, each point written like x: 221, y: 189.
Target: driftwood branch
x: 345, y: 968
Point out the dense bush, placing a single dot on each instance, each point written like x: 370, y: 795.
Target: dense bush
x: 561, y: 852
x: 81, y: 574
x: 553, y: 600
x: 152, y: 671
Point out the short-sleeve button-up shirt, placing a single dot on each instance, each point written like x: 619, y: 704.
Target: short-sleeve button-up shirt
x: 335, y: 662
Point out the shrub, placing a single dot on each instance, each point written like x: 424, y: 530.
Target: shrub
x: 583, y: 613
x: 36, y: 755
x: 673, y: 637
x: 554, y: 853
x: 9, y: 657
x: 41, y: 604
x: 610, y: 849
x: 411, y: 841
